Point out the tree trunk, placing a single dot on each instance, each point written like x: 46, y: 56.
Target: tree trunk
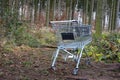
x: 68, y: 9
x: 98, y: 27
x: 91, y: 6
x: 85, y: 12
x: 114, y: 15
x: 51, y: 10
x: 47, y: 13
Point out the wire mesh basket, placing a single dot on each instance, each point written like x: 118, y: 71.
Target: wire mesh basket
x: 71, y: 31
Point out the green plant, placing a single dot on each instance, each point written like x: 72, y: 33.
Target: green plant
x: 46, y: 36
x: 23, y: 36
x: 27, y: 63
x: 8, y: 46
x: 107, y: 48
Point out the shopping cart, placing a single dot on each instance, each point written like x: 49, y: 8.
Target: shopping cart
x: 71, y: 36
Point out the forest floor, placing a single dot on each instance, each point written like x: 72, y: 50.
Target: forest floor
x: 25, y: 63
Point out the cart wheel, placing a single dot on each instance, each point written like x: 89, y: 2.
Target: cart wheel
x: 53, y: 68
x: 75, y: 59
x: 75, y: 71
x: 88, y: 61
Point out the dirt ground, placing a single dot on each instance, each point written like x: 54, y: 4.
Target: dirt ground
x: 34, y: 64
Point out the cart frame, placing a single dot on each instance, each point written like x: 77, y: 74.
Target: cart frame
x: 71, y: 35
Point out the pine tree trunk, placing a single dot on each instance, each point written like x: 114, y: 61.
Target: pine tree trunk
x: 85, y: 12
x: 51, y: 12
x: 114, y: 15
x: 91, y: 6
x: 98, y: 27
x: 47, y: 13
x: 68, y: 10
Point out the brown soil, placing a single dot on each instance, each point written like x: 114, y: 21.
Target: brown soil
x: 34, y: 64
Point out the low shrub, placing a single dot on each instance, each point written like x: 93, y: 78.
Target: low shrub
x: 23, y: 36
x: 106, y: 49
x: 46, y: 36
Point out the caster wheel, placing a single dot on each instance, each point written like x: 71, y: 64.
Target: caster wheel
x: 88, y: 61
x: 75, y: 59
x: 75, y: 71
x: 53, y: 68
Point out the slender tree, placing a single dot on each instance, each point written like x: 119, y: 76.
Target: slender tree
x: 91, y: 6
x: 114, y: 14
x: 73, y: 8
x: 118, y: 13
x: 35, y: 3
x: 112, y: 17
x: 98, y: 27
x: 68, y: 9
x: 51, y: 10
x: 47, y: 12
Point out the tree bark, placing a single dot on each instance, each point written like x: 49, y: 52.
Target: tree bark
x: 98, y: 27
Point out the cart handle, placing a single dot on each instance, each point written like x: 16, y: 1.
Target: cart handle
x: 63, y: 21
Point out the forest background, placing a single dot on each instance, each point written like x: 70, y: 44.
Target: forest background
x: 26, y: 22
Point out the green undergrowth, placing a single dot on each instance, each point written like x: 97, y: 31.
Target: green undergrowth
x: 24, y: 35
x: 107, y: 48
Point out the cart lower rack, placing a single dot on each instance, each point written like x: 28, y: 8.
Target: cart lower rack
x: 71, y: 35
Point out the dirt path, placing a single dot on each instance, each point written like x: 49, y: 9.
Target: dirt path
x: 34, y: 64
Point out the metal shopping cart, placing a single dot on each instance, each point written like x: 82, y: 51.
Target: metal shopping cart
x: 71, y: 35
